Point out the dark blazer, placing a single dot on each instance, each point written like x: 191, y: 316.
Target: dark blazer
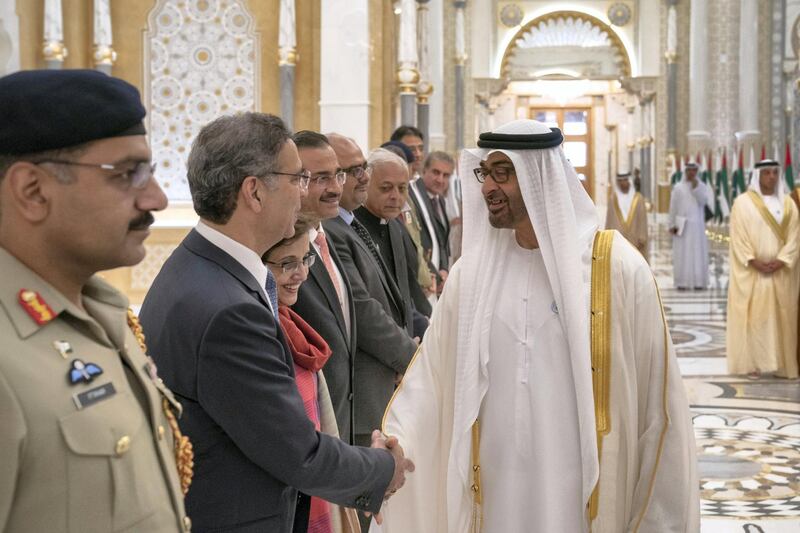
x: 384, y: 345
x: 318, y: 304
x: 400, y: 256
x: 220, y: 349
x: 442, y: 228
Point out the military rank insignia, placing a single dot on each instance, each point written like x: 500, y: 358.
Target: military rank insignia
x: 36, y: 307
x: 80, y: 372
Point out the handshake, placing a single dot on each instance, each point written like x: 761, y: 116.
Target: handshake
x: 401, y: 464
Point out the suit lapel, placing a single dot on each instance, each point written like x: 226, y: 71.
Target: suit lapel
x: 321, y: 277
x: 199, y: 245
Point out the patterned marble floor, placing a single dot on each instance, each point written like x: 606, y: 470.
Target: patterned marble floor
x: 748, y: 432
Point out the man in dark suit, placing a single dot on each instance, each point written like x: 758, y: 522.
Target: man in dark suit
x: 384, y: 343
x: 427, y: 197
x: 210, y: 319
x: 325, y: 300
x: 388, y: 193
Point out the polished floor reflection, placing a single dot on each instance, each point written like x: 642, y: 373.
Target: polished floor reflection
x: 748, y: 432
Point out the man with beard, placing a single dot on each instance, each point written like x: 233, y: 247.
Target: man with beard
x: 87, y: 440
x: 627, y: 213
x: 211, y: 321
x: 546, y: 395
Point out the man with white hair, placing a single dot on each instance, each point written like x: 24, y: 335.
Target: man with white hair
x: 762, y: 293
x: 546, y: 395
x: 627, y: 213
x: 687, y: 224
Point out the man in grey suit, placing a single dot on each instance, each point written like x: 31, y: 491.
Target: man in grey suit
x: 384, y: 343
x: 210, y: 319
x: 325, y: 300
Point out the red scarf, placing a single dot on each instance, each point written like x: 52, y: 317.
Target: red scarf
x: 310, y: 352
x: 309, y: 349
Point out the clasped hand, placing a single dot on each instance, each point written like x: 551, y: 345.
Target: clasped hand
x: 767, y: 267
x: 401, y: 464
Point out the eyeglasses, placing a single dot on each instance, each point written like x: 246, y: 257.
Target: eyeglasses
x: 301, y: 179
x: 293, y: 266
x: 136, y: 176
x: 499, y: 174
x: 357, y: 171
x: 326, y: 179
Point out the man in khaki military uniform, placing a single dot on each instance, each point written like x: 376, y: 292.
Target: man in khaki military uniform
x: 85, y: 424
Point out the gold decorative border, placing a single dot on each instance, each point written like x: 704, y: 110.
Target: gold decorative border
x: 616, y: 42
x: 601, y: 345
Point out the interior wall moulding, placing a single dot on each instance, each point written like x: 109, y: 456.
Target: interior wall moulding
x: 592, y: 27
x: 201, y: 60
x: 640, y: 85
x: 487, y: 88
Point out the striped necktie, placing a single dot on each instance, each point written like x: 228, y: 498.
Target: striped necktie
x: 271, y: 288
x: 364, y: 235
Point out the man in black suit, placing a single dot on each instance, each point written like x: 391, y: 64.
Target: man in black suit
x: 325, y: 300
x: 210, y: 319
x: 388, y: 193
x: 427, y: 197
x: 384, y: 343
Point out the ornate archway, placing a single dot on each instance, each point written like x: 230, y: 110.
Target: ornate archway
x: 565, y: 45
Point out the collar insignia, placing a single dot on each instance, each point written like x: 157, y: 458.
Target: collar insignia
x: 35, y: 306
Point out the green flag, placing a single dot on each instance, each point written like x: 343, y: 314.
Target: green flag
x: 738, y: 181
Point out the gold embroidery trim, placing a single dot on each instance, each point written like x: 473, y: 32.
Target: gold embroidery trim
x: 397, y: 389
x: 601, y: 345
x: 477, y: 514
x: 634, y: 204
x: 184, y: 454
x: 664, y: 399
x: 781, y: 230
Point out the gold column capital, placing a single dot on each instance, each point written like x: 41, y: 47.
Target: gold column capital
x: 54, y: 51
x: 287, y: 56
x: 407, y: 78
x: 104, y: 55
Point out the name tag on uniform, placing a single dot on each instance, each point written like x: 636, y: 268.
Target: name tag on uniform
x: 92, y: 396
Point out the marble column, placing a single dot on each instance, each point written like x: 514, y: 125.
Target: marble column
x: 436, y: 43
x: 344, y: 69
x: 424, y: 86
x: 699, y: 134
x: 407, y: 73
x: 103, y: 53
x: 461, y: 61
x: 53, y: 49
x: 9, y: 38
x: 779, y: 82
x: 630, y: 141
x: 672, y: 77
x: 748, y: 75
x: 287, y: 58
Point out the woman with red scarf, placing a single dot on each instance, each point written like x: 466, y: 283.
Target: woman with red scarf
x: 289, y: 261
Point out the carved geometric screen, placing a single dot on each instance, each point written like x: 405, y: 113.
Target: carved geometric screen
x: 566, y: 45
x: 201, y: 62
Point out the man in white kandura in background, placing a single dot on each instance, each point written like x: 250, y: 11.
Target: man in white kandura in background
x: 762, y: 293
x: 627, y: 213
x: 687, y: 223
x: 551, y: 336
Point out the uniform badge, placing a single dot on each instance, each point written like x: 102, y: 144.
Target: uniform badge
x: 36, y: 307
x: 64, y: 348
x: 80, y: 372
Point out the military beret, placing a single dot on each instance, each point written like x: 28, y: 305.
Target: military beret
x: 50, y: 109
x: 408, y: 155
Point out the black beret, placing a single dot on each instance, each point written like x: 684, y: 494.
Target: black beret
x: 50, y: 109
x: 408, y: 155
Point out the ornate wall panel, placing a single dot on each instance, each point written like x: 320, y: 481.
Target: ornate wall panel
x: 201, y: 61
x: 723, y: 49
x: 765, y: 74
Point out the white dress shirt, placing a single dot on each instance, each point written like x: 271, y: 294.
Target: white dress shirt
x: 243, y: 255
